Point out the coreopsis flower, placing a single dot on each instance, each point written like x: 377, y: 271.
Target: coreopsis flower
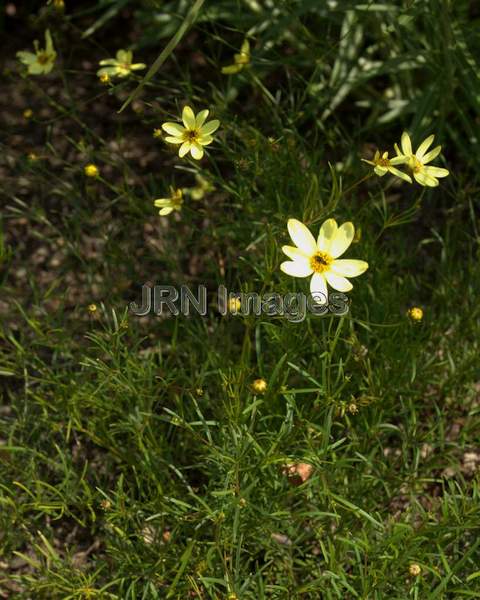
x: 319, y: 258
x: 259, y: 386
x: 121, y: 66
x: 204, y: 186
x: 41, y: 61
x: 167, y: 205
x: 194, y: 134
x: 417, y: 163
x: 91, y: 170
x: 240, y: 60
x: 383, y: 165
x: 414, y: 569
x: 234, y: 305
x: 415, y: 313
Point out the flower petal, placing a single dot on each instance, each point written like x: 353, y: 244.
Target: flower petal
x: 342, y: 239
x: 184, y: 148
x: 326, y: 235
x: 174, y: 140
x: 424, y: 146
x: 188, y: 117
x: 196, y: 151
x: 400, y: 174
x: 423, y: 178
x: 318, y: 288
x: 296, y: 268
x: 201, y: 118
x: 436, y: 171
x: 406, y: 144
x: 294, y: 253
x: 429, y: 156
x: 349, y: 267
x: 173, y: 129
x: 398, y: 160
x: 204, y: 140
x: 165, y: 211
x: 209, y: 127
x: 337, y: 282
x: 301, y: 237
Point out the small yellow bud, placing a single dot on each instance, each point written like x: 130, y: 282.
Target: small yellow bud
x: 352, y: 408
x: 234, y: 305
x: 92, y: 308
x: 28, y: 113
x: 157, y: 133
x: 59, y: 4
x: 32, y: 157
x: 415, y: 313
x: 259, y: 386
x: 104, y: 78
x: 91, y: 170
x: 105, y: 504
x: 242, y: 503
x: 414, y: 570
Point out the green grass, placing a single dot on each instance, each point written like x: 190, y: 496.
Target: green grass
x: 136, y: 461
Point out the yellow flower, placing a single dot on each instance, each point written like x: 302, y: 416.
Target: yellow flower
x: 424, y: 175
x: 383, y: 165
x: 58, y: 4
x: 91, y: 170
x: 259, y: 386
x: 92, y: 308
x: 32, y: 156
x: 241, y: 60
x: 414, y: 570
x: 167, y: 205
x: 194, y: 135
x: 415, y: 313
x: 234, y: 305
x: 319, y: 257
x: 203, y: 187
x: 28, y: 113
x: 41, y: 61
x: 121, y: 66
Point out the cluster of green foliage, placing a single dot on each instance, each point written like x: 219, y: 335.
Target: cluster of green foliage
x: 136, y: 461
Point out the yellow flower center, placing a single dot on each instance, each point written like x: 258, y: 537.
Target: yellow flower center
x: 320, y: 262
x: 415, y: 165
x: 191, y: 135
x: 383, y: 162
x: 43, y: 58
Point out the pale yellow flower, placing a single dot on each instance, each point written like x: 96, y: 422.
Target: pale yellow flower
x: 167, y: 205
x: 414, y: 569
x: 240, y: 61
x: 91, y: 170
x: 195, y: 133
x: 234, y: 305
x: 383, y: 165
x: 424, y: 175
x: 28, y: 113
x: 41, y: 61
x: 121, y: 66
x: 204, y: 186
x: 415, y: 313
x: 319, y: 258
x: 259, y: 386
x: 92, y: 308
